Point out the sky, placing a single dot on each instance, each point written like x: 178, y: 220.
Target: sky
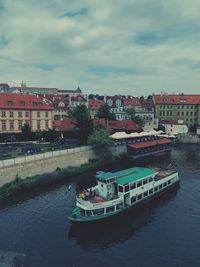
x: 133, y: 47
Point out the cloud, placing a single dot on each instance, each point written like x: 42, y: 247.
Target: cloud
x: 133, y: 47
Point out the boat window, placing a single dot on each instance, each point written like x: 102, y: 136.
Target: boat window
x: 169, y: 182
x: 155, y: 189
x: 110, y: 209
x: 119, y: 206
x: 88, y: 212
x: 98, y: 211
x: 120, y: 188
x: 150, y: 179
x: 139, y: 184
x: 160, y: 186
x: 82, y: 211
x: 144, y: 181
x: 132, y: 186
x: 126, y: 188
x: 150, y: 191
x: 139, y: 197
x: 133, y: 199
x: 165, y: 184
x: 145, y: 194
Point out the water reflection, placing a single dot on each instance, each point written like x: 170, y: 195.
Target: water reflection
x: 117, y: 229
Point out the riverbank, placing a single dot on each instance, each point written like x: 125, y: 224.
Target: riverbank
x: 53, y: 178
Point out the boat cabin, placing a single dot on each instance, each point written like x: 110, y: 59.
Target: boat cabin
x: 106, y: 182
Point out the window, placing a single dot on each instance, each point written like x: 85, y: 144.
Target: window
x: 150, y: 179
x: 160, y: 186
x: 46, y: 114
x: 88, y: 212
x: 165, y: 184
x: 3, y: 125
x: 19, y: 114
x: 46, y: 124
x: 22, y: 103
x: 11, y: 114
x: 98, y: 211
x: 155, y: 189
x: 169, y: 182
x: 150, y: 191
x: 139, y: 197
x: 9, y: 102
x: 38, y: 125
x: 11, y: 125
x: 126, y: 188
x: 145, y: 194
x: 38, y: 114
x: 144, y: 181
x: 133, y: 186
x: 139, y: 184
x: 19, y: 125
x: 110, y: 209
x: 133, y: 199
x: 120, y: 189
x: 119, y: 206
x: 3, y: 114
x: 27, y: 114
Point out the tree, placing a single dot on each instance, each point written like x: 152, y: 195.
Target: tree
x: 84, y: 123
x: 131, y: 112
x: 139, y: 120
x: 26, y: 132
x: 104, y: 112
x: 100, y: 139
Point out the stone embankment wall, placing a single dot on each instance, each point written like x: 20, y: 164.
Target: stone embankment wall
x: 23, y: 167
x: 189, y: 138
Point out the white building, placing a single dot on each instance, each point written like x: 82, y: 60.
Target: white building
x: 173, y: 128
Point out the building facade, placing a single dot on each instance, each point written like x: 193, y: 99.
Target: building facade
x: 178, y: 107
x: 17, y: 110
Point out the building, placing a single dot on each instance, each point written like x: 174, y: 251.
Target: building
x: 116, y: 106
x: 23, y: 88
x: 59, y: 103
x: 93, y: 106
x: 75, y: 101
x: 174, y: 127
x: 4, y: 87
x: 19, y: 109
x: 178, y: 107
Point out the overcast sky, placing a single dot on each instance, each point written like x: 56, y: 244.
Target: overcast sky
x: 136, y: 47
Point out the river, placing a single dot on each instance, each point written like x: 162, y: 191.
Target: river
x: 164, y: 233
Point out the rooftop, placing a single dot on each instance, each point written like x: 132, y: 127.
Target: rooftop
x: 128, y: 175
x: 133, y: 174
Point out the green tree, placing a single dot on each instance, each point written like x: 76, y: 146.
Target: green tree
x: 100, y: 139
x: 131, y: 112
x: 104, y: 112
x: 26, y: 132
x: 139, y: 120
x: 84, y: 123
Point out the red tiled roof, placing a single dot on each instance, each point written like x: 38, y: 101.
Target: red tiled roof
x: 125, y: 125
x: 95, y: 104
x: 177, y: 99
x: 68, y: 124
x: 145, y: 144
x: 57, y: 123
x: 135, y: 101
x: 14, y: 101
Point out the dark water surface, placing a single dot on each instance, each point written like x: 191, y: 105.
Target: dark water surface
x: 164, y: 233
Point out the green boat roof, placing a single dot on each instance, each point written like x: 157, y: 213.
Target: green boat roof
x: 133, y: 174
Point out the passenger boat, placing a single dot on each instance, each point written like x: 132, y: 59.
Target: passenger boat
x: 118, y: 191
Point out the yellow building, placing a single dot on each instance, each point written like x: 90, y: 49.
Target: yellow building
x: 178, y: 107
x: 19, y: 109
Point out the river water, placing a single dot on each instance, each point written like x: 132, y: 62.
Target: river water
x: 164, y: 233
